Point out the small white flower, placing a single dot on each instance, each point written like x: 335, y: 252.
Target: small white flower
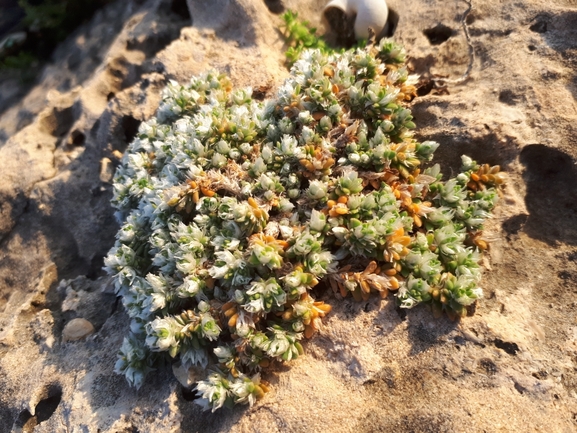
x: 162, y: 333
x: 214, y: 391
x: 317, y: 189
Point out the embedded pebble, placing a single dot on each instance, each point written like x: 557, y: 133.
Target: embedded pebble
x: 77, y: 329
x: 106, y: 170
x: 188, y: 377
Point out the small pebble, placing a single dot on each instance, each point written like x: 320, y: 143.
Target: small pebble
x: 187, y: 377
x: 106, y: 170
x: 77, y: 329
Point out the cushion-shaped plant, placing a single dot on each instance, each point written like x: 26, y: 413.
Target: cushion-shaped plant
x: 234, y: 210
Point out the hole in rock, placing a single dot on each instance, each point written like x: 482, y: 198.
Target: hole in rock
x: 510, y: 348
x: 471, y: 18
x: 540, y: 26
x: 96, y: 265
x: 488, y: 366
x: 188, y: 394
x: 180, y: 8
x: 26, y: 422
x: 46, y: 408
x: 425, y: 88
x: 438, y: 34
x: 564, y: 275
x: 77, y: 138
x: 508, y: 97
x: 130, y: 126
x: 275, y: 6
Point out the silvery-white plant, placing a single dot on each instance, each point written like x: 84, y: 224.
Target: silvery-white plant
x: 234, y: 210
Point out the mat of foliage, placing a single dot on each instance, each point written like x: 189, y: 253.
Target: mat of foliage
x: 235, y: 209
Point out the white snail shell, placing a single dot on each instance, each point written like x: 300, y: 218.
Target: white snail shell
x: 370, y: 13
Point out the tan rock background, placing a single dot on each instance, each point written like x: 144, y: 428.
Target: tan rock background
x: 510, y: 368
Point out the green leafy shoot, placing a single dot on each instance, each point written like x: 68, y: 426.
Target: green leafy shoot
x: 300, y: 36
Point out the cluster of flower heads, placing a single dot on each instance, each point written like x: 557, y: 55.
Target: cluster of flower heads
x: 233, y: 210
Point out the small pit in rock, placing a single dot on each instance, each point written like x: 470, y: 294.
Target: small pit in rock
x: 76, y: 138
x: 508, y: 97
x: 97, y: 262
x: 488, y: 366
x: 510, y: 348
x: 438, y: 34
x: 471, y: 18
x: 26, y: 422
x: 275, y: 6
x: 180, y: 8
x: 425, y: 88
x: 130, y: 126
x: 539, y: 26
x: 189, y: 394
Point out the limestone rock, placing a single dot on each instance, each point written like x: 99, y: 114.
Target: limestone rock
x: 188, y: 376
x: 77, y: 329
x: 498, y: 83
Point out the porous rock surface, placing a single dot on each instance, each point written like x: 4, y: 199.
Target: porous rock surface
x: 510, y: 368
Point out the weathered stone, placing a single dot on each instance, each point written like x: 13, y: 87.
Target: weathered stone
x: 77, y: 329
x: 188, y: 376
x: 106, y: 170
x: 506, y: 94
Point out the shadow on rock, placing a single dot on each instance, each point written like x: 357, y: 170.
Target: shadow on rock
x: 74, y: 60
x: 551, y: 196
x: 376, y: 422
x: 66, y: 224
x: 195, y: 420
x: 559, y: 31
x: 424, y: 331
x: 227, y: 18
x: 68, y: 219
x: 485, y: 149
